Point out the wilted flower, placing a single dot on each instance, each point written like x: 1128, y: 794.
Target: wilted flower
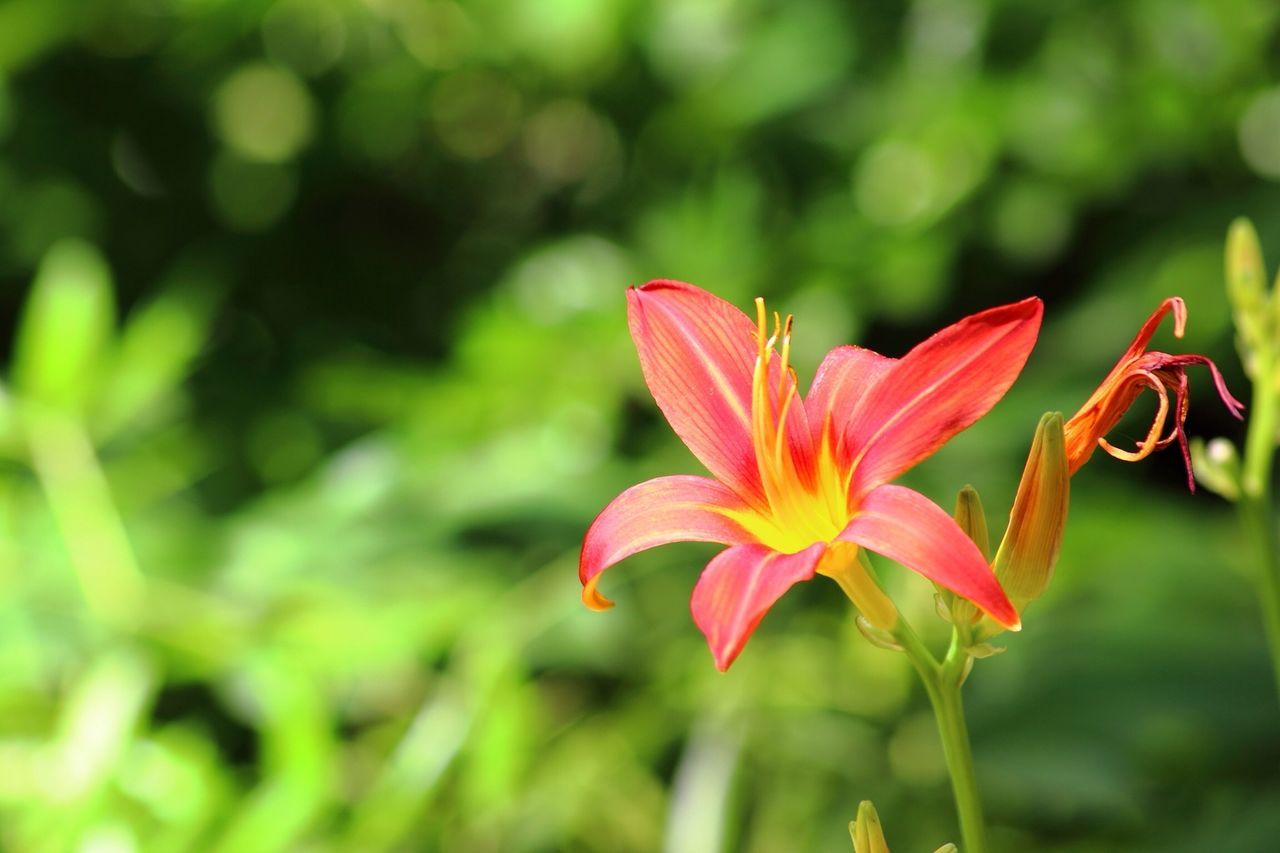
x: 1137, y: 370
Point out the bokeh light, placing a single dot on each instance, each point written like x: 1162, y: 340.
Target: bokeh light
x: 264, y: 113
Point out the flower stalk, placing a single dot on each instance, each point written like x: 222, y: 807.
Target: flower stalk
x: 1255, y: 315
x: 942, y: 682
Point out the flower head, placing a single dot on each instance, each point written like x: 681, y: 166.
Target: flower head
x: 1139, y: 369
x: 800, y: 483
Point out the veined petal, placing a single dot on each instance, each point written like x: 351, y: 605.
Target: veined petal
x: 938, y: 389
x: 682, y: 508
x: 739, y: 586
x: 840, y: 385
x: 698, y: 353
x: 905, y: 526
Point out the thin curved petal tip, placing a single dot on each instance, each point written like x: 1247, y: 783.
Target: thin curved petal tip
x: 592, y: 598
x: 678, y: 508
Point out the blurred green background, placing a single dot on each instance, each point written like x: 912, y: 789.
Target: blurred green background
x: 319, y: 369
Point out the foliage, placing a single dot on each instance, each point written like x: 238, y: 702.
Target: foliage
x: 319, y: 371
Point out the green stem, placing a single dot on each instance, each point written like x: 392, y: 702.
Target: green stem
x: 1256, y: 507
x: 1257, y: 517
x: 942, y: 684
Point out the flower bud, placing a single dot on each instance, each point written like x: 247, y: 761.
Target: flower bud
x: 1246, y: 289
x: 1024, y: 563
x: 1217, y: 466
x: 867, y: 835
x: 972, y: 519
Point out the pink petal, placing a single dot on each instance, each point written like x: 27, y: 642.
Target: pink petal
x: 839, y: 386
x: 698, y: 354
x: 938, y: 389
x: 739, y: 586
x: 905, y: 526
x: 667, y: 509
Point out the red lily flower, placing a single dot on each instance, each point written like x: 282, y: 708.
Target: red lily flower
x: 800, y: 484
x: 1137, y: 370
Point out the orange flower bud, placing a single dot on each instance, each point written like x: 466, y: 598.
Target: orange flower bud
x: 1025, y: 560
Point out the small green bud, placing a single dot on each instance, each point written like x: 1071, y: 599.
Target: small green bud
x: 947, y: 848
x: 866, y: 832
x: 1246, y: 289
x: 1217, y: 466
x: 973, y: 519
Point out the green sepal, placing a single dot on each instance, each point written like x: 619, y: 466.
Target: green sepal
x: 1217, y: 466
x: 877, y: 637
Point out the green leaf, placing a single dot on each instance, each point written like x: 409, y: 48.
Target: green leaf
x: 66, y: 328
x: 155, y: 352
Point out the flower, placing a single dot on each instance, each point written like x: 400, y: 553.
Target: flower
x: 1138, y: 369
x: 801, y: 483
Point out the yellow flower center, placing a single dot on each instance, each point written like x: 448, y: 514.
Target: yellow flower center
x: 807, y: 497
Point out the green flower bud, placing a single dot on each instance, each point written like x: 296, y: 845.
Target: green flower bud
x: 972, y: 519
x: 1250, y: 303
x: 867, y: 835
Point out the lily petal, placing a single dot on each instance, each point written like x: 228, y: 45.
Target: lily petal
x: 698, y: 353
x: 1172, y: 305
x: 682, y: 508
x: 839, y: 386
x: 905, y: 526
x: 939, y: 388
x: 739, y: 586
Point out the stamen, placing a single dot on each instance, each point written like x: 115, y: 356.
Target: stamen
x: 761, y: 328
x: 786, y: 352
x: 802, y: 506
x: 779, y: 442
